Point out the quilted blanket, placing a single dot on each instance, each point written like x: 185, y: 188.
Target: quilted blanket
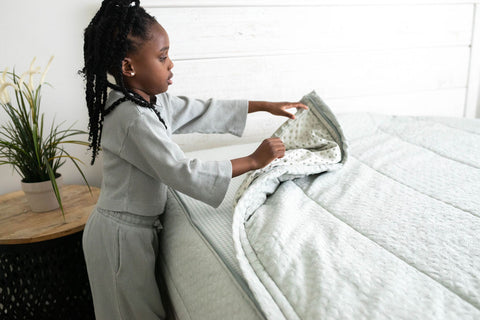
x: 392, y: 233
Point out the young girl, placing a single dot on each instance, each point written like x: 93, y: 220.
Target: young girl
x: 134, y: 123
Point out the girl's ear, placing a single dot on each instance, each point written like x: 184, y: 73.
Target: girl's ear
x: 127, y: 68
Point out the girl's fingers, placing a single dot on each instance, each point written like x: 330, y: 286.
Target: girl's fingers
x: 288, y: 115
x: 291, y: 105
x: 278, y: 147
x: 275, y: 143
x: 297, y: 105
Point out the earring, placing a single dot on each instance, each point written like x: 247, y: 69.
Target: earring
x: 132, y: 73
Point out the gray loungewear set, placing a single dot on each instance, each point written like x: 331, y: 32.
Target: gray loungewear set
x: 140, y: 161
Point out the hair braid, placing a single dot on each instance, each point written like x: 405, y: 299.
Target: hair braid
x: 107, y: 42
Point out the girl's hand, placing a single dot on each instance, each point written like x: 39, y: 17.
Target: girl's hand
x: 275, y: 108
x: 269, y: 150
x: 279, y: 108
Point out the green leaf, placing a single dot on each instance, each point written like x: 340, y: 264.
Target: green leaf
x: 55, y: 188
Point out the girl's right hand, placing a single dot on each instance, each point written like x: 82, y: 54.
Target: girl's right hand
x: 269, y: 150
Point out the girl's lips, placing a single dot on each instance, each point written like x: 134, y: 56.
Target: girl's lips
x: 169, y: 80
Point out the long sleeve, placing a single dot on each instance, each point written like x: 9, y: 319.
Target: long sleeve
x: 140, y: 161
x: 148, y: 147
x: 211, y: 116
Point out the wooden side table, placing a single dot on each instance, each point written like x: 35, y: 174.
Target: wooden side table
x: 42, y: 268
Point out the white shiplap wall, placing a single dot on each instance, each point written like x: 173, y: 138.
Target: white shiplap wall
x: 396, y: 57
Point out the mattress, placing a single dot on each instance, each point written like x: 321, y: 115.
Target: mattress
x: 203, y: 275
x: 197, y: 255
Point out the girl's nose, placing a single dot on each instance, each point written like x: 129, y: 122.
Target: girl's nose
x: 171, y: 64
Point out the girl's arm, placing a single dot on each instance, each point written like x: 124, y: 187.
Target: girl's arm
x: 187, y: 115
x: 275, y: 108
x: 269, y: 150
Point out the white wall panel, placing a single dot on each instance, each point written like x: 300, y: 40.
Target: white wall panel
x: 332, y: 75
x: 244, y: 31
x: 292, y: 3
x: 472, y: 100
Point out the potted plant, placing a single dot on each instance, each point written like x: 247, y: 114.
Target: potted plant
x: 35, y: 151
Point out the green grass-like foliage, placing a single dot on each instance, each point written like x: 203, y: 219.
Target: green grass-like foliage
x: 34, y: 151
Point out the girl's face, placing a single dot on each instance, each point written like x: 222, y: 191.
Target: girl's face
x: 150, y: 64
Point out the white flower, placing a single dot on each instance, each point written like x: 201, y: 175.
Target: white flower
x: 31, y: 71
x: 4, y: 84
x: 42, y: 79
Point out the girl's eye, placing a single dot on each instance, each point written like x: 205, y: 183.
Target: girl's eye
x: 162, y: 59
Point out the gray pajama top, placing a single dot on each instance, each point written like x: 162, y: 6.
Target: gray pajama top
x: 140, y: 160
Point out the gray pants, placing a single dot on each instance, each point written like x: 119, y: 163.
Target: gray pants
x: 121, y: 253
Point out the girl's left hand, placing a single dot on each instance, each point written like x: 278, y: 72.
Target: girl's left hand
x: 279, y: 108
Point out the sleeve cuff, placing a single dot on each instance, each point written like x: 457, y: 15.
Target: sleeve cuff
x: 221, y: 184
x: 241, y: 111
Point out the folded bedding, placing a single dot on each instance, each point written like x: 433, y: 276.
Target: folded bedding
x: 386, y: 226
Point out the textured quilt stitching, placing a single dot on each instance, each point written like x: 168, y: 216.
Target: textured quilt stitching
x: 431, y: 150
x: 393, y: 254
x: 452, y: 127
x: 215, y: 253
x: 412, y: 188
x: 259, y: 262
x: 231, y: 273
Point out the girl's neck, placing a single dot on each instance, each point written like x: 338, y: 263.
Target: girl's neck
x: 144, y: 95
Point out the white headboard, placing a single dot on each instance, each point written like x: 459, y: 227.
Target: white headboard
x: 398, y: 57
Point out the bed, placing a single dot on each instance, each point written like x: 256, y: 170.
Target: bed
x: 380, y: 220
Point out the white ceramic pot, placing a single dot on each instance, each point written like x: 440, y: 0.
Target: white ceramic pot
x: 40, y: 195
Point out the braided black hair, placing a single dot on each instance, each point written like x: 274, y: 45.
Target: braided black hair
x: 107, y: 42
